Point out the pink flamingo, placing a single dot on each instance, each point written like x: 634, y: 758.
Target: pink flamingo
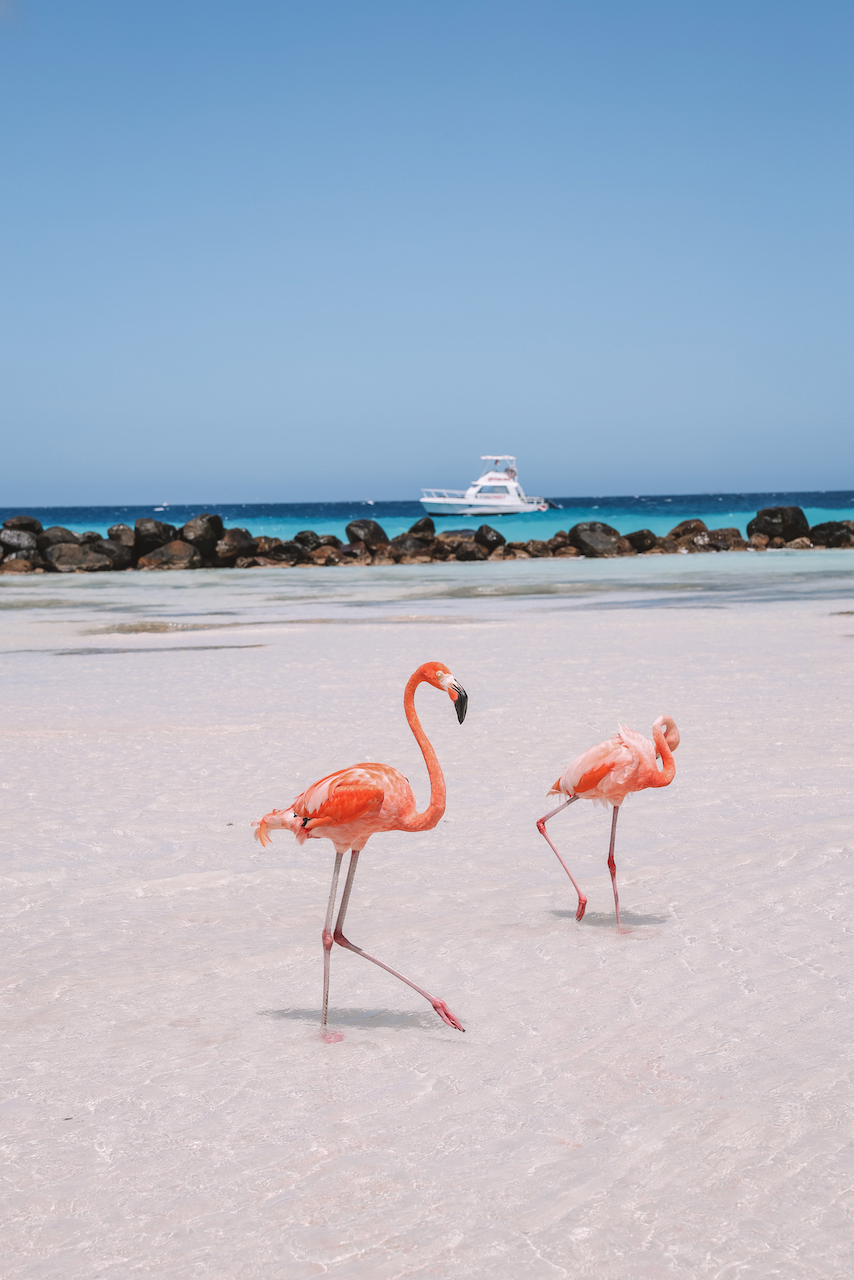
x: 607, y: 773
x: 348, y: 806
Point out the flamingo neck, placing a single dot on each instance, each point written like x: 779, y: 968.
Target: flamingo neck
x: 668, y: 767
x: 433, y: 813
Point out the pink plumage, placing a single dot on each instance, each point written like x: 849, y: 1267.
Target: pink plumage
x: 610, y: 771
x: 350, y: 805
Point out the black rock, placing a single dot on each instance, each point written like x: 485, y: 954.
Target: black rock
x: 367, y: 531
x: 832, y: 533
x: 688, y: 528
x: 471, y: 551
x: 406, y: 544
x: 642, y: 540
x: 287, y: 552
x: 18, y: 540
x: 489, y: 537
x: 308, y: 539
x: 70, y: 557
x: 55, y: 535
x: 329, y: 540
x: 123, y: 534
x: 173, y: 555
x: 537, y: 549
x: 89, y: 538
x: 787, y: 523
x: 725, y: 539
x: 29, y: 523
x: 423, y: 528
x: 234, y: 543
x: 119, y: 555
x: 593, y: 538
x: 203, y: 532
x: 151, y: 534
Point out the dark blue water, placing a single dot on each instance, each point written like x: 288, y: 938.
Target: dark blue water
x: 657, y: 512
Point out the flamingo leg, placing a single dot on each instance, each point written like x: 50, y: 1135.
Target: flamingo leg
x: 541, y: 827
x: 327, y: 936
x: 439, y: 1005
x: 612, y: 866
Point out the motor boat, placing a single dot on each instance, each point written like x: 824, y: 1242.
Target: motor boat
x: 496, y: 492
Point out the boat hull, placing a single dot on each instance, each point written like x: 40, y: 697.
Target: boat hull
x: 461, y: 507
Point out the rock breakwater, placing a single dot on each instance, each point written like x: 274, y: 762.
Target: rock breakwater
x: 204, y: 543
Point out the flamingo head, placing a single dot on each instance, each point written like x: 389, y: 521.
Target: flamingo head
x: 437, y: 674
x: 667, y: 727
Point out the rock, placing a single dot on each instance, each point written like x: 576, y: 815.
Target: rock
x: 355, y: 553
x: 776, y: 544
x: 367, y: 531
x: 694, y: 542
x: 203, y: 532
x: 799, y: 544
x: 537, y: 549
x: 28, y: 523
x: 471, y: 551
x: 70, y: 557
x: 329, y: 540
x: 117, y: 553
x: 325, y: 555
x: 667, y: 546
x: 593, y: 538
x: 406, y: 545
x: 457, y: 535
x: 726, y: 540
x: 567, y: 551
x: 642, y: 540
x: 234, y: 543
x: 89, y: 538
x: 687, y: 528
x: 289, y: 552
x: 787, y: 523
x: 18, y: 540
x: 758, y: 541
x: 308, y: 539
x: 174, y: 555
x: 122, y: 534
x: 832, y: 533
x: 489, y: 537
x: 423, y: 528
x: 54, y: 535
x: 13, y: 564
x: 151, y: 534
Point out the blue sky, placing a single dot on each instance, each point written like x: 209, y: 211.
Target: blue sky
x: 338, y: 249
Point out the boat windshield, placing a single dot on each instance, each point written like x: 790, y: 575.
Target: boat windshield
x: 494, y: 488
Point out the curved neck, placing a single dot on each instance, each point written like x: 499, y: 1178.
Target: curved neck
x: 668, y: 768
x: 432, y: 814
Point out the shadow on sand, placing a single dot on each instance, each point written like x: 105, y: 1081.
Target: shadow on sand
x: 607, y: 919
x: 358, y: 1017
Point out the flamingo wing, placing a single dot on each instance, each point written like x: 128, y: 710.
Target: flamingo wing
x: 339, y: 799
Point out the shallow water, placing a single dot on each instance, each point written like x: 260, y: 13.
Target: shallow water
x: 42, y: 610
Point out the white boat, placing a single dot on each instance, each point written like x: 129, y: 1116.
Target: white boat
x: 495, y: 493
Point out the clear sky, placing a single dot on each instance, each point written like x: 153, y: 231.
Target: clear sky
x: 269, y: 250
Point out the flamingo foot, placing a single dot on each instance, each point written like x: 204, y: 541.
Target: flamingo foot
x: 446, y: 1015
x: 582, y: 907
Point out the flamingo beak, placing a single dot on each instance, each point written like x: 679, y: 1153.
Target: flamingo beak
x: 461, y: 701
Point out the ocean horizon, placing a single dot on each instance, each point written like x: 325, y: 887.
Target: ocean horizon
x: 657, y: 512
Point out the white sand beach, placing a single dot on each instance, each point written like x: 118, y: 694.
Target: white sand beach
x: 671, y: 1102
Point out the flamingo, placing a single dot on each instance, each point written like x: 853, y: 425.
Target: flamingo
x: 607, y: 773
x: 348, y: 806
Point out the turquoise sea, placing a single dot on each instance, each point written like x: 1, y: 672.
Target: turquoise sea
x: 283, y: 520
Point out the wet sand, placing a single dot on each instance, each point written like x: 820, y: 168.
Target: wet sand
x: 675, y: 1101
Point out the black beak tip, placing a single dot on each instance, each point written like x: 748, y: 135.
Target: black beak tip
x: 461, y: 705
